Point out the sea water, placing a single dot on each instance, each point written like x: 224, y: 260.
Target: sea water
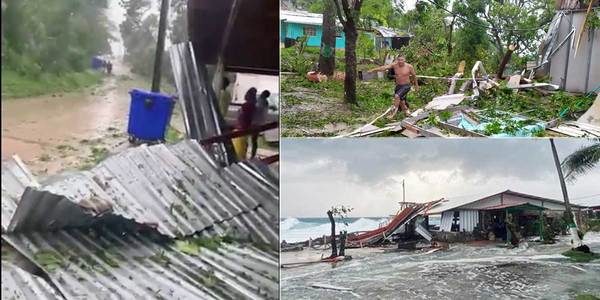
x: 301, y: 229
x: 530, y: 271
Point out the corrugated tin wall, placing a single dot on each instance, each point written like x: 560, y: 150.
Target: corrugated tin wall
x: 583, y: 69
x: 468, y: 220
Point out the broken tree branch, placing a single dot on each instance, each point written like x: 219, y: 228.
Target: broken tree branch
x: 505, y: 59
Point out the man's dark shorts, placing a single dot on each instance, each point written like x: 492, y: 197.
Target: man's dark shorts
x: 401, y: 90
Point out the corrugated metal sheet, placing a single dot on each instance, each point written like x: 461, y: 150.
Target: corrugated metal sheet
x: 15, y: 178
x: 20, y: 284
x: 201, y: 115
x: 468, y: 220
x: 100, y: 264
x: 580, y: 72
x: 178, y: 189
x: 446, y: 222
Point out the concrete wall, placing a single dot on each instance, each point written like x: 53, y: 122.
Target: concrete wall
x: 582, y: 67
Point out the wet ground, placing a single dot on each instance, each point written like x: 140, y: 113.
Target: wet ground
x: 61, y: 131
x: 532, y: 271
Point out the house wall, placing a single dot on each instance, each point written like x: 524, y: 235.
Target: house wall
x: 582, y: 68
x: 468, y: 219
x: 294, y: 30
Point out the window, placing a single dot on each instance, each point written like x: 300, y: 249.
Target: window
x: 310, y: 31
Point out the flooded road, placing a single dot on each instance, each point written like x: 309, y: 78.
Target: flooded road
x: 50, y: 131
x: 532, y: 271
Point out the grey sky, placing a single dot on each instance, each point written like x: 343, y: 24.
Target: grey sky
x: 367, y: 173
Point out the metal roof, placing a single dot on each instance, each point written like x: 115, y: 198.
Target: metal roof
x: 15, y: 178
x: 102, y: 264
x: 177, y: 189
x: 385, y: 32
x: 20, y: 284
x: 454, y: 204
x: 301, y: 17
x: 512, y: 205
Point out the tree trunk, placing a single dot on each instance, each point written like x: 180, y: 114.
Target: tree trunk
x: 504, y: 61
x: 575, y: 240
x: 449, y: 45
x: 350, y: 76
x: 333, y: 243
x: 327, y: 53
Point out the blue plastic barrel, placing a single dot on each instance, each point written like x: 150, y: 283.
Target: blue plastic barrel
x: 149, y: 115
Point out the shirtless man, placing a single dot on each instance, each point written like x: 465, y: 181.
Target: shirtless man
x: 403, y: 71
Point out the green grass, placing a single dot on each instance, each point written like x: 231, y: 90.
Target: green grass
x: 578, y: 256
x: 15, y: 85
x: 173, y: 135
x: 594, y: 225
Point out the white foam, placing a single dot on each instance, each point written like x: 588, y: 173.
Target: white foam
x: 288, y: 223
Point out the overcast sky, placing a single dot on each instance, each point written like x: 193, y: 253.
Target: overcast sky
x: 367, y: 173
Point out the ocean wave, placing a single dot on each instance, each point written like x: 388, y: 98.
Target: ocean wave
x: 289, y: 223
x: 301, y: 231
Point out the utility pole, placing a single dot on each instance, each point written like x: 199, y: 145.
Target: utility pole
x: 160, y: 45
x: 575, y: 240
x: 403, y: 192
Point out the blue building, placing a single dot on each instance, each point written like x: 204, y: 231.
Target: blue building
x: 296, y: 24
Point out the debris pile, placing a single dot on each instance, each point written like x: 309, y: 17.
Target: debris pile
x: 517, y: 107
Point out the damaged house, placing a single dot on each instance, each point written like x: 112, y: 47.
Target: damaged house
x: 486, y: 217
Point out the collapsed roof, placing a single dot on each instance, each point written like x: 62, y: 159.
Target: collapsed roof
x: 151, y: 222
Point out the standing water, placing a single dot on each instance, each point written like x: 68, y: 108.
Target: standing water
x: 531, y: 271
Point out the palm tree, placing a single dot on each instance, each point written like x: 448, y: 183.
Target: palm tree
x: 581, y: 161
x: 578, y: 163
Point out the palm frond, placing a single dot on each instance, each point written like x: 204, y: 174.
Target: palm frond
x: 581, y: 161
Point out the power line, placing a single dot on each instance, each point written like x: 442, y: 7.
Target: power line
x: 480, y: 25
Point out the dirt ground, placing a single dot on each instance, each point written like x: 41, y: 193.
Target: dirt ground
x: 56, y: 132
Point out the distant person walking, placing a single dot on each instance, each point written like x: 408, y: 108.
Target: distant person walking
x: 244, y: 122
x: 109, y: 67
x: 260, y: 117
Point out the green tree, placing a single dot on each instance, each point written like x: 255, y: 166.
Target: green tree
x: 349, y: 15
x: 581, y: 161
x: 327, y: 52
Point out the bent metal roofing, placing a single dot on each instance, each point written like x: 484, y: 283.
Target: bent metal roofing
x: 152, y: 222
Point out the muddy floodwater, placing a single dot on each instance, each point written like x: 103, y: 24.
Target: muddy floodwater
x: 532, y: 271
x: 62, y: 131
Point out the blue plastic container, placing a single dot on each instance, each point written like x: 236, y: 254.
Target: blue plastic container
x: 149, y: 115
x: 97, y: 63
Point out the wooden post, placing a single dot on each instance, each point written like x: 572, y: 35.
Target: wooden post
x: 160, y: 45
x: 505, y: 59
